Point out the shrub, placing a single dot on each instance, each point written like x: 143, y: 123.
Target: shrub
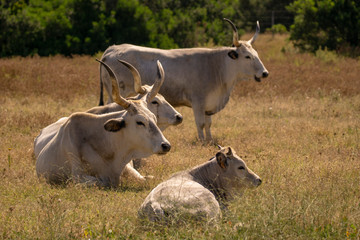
x: 325, y: 23
x: 277, y: 28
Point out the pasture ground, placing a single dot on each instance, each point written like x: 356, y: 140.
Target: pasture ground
x: 299, y: 130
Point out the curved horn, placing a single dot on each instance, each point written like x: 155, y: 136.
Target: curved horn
x: 137, y: 79
x: 158, y: 83
x: 235, y: 33
x: 220, y: 147
x: 115, y: 87
x: 256, y: 33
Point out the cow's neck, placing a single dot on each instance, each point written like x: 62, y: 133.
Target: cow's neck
x: 104, y: 143
x: 209, y: 175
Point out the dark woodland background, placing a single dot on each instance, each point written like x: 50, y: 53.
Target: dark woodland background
x: 40, y: 27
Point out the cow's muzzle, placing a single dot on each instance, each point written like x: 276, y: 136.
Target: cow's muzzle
x: 258, y: 182
x: 178, y: 119
x: 165, y: 147
x: 264, y: 75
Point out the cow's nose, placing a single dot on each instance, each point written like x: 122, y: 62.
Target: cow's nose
x: 179, y: 119
x: 258, y: 181
x: 265, y: 74
x: 165, y: 147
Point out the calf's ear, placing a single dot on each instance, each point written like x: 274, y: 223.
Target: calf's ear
x: 233, y: 54
x: 114, y: 125
x: 229, y: 153
x: 221, y: 160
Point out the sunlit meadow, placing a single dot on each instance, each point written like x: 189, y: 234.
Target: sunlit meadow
x: 299, y: 130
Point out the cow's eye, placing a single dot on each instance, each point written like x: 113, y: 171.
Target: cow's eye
x: 140, y: 123
x: 154, y: 102
x: 248, y: 57
x: 241, y: 168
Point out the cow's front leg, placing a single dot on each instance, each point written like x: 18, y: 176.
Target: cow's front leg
x: 129, y: 170
x: 89, y: 181
x: 207, y: 128
x: 199, y: 114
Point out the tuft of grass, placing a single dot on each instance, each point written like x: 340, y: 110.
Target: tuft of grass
x: 299, y: 130
x: 326, y: 55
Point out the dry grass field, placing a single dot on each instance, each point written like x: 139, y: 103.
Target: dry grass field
x: 299, y: 130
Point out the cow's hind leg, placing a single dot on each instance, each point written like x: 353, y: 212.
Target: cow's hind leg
x: 207, y: 128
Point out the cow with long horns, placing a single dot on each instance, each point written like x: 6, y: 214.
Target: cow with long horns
x: 165, y: 114
x: 94, y: 149
x: 200, y: 78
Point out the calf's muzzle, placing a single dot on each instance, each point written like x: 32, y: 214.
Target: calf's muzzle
x: 258, y: 182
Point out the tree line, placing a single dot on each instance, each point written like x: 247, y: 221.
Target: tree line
x: 69, y: 27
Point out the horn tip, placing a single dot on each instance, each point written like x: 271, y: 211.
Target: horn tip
x: 160, y: 71
x: 158, y: 64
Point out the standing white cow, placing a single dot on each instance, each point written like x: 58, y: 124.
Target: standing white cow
x: 94, y: 149
x: 166, y: 115
x: 202, y: 192
x: 200, y: 78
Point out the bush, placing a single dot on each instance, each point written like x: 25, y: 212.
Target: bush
x: 329, y: 24
x: 277, y: 28
x: 69, y: 27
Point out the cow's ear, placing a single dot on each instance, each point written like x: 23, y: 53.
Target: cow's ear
x: 114, y: 125
x: 233, y: 54
x: 221, y: 160
x: 229, y: 153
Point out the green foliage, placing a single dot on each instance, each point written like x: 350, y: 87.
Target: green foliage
x: 325, y: 55
x: 277, y: 28
x: 331, y: 24
x: 69, y: 27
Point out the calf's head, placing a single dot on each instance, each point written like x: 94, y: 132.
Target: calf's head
x: 246, y: 57
x: 165, y: 113
x: 138, y: 124
x: 235, y: 173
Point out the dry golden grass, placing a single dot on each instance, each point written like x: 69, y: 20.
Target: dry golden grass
x: 299, y: 130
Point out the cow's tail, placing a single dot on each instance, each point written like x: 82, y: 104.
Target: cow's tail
x: 101, y: 100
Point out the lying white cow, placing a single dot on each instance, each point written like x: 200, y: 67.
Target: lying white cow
x: 201, y: 192
x: 94, y: 149
x: 165, y: 113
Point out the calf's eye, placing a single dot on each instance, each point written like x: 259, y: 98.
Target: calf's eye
x: 154, y: 102
x: 248, y: 57
x: 241, y: 168
x: 140, y: 124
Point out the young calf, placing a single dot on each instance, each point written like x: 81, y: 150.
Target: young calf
x: 201, y: 192
x: 94, y: 149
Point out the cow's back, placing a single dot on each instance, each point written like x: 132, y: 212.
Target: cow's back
x: 179, y: 197
x: 186, y: 70
x: 46, y: 134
